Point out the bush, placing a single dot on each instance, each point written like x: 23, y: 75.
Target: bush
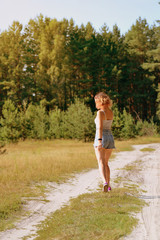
x: 78, y: 122
x: 146, y: 128
x: 117, y: 124
x: 10, y: 130
x: 128, y: 129
x: 123, y: 126
x: 55, y: 123
x: 36, y: 121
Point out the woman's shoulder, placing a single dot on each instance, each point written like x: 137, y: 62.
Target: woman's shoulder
x: 110, y: 114
x: 100, y: 113
x: 110, y: 110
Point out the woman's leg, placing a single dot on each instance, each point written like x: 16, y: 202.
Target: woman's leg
x: 100, y: 155
x: 107, y: 156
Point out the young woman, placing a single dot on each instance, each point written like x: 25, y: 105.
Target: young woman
x: 104, y: 141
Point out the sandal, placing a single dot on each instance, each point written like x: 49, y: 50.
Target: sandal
x: 105, y: 187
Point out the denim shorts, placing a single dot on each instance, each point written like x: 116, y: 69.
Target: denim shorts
x: 107, y: 139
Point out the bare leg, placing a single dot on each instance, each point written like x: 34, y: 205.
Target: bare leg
x: 100, y: 155
x: 107, y: 156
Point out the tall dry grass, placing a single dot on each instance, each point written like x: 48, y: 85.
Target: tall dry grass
x: 31, y: 162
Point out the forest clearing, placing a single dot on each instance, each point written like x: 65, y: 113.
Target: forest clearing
x: 63, y: 86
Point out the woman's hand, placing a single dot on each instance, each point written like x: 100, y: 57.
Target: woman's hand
x: 100, y: 145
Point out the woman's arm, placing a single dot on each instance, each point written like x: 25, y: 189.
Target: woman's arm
x: 100, y: 127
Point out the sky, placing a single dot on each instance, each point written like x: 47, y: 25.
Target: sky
x: 121, y: 12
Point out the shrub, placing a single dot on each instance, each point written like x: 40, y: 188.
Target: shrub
x: 10, y: 130
x: 117, y: 122
x: 128, y: 129
x: 36, y: 121
x: 55, y: 123
x: 78, y: 122
x: 146, y: 128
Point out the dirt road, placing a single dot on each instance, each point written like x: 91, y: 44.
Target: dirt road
x: 149, y: 218
x: 60, y: 194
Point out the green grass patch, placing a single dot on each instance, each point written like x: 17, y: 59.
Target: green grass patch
x: 147, y: 150
x: 119, y: 180
x: 93, y: 216
x: 134, y: 166
x: 129, y: 167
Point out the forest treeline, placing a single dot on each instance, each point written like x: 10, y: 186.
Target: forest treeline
x: 56, y: 62
x: 77, y: 122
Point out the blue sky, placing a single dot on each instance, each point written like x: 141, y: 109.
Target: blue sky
x: 121, y: 12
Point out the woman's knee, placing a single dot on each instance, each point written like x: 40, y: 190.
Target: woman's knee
x: 106, y: 164
x: 100, y: 160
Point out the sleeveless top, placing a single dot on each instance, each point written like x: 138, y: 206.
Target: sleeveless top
x: 106, y: 123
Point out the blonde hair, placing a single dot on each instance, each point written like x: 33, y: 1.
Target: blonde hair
x: 103, y: 98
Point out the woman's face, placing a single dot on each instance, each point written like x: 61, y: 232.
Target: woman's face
x: 98, y: 104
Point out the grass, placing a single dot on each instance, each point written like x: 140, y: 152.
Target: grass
x: 147, y: 149
x: 93, y: 216
x: 127, y: 145
x: 31, y: 162
x: 26, y: 166
x: 134, y: 166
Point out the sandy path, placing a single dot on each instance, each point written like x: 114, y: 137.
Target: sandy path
x: 60, y: 194
x: 149, y: 218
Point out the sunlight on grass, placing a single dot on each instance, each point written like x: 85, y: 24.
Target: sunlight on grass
x: 93, y: 216
x: 31, y: 162
x: 147, y: 149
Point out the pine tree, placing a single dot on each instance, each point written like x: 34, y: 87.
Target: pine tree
x: 128, y: 130
x: 55, y: 121
x: 9, y: 123
x: 31, y: 49
x: 78, y: 122
x: 36, y: 121
x: 141, y: 84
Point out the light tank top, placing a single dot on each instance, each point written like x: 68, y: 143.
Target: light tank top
x: 106, y: 123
